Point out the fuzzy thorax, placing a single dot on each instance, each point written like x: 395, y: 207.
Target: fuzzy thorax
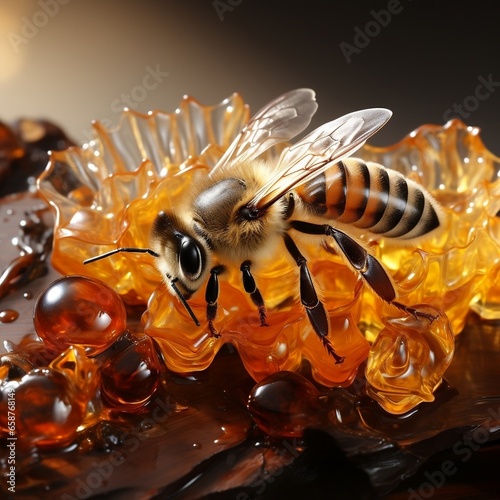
x: 221, y: 215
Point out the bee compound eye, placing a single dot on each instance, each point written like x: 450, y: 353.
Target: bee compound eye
x: 190, y: 258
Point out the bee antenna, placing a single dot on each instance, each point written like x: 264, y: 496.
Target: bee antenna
x: 184, y: 302
x: 123, y: 249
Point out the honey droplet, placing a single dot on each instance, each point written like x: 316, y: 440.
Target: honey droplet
x: 48, y: 408
x: 28, y: 295
x: 79, y: 311
x: 8, y: 316
x: 131, y: 376
x: 284, y: 404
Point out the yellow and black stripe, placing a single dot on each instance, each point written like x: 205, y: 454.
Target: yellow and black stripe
x: 371, y: 197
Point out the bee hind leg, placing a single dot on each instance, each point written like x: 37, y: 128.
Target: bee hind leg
x: 373, y: 272
x: 416, y: 313
x: 363, y: 262
x: 251, y: 288
x: 314, y: 307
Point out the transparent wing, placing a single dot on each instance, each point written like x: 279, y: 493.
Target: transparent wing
x: 323, y: 147
x: 279, y: 121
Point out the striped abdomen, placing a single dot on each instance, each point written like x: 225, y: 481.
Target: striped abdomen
x: 370, y: 197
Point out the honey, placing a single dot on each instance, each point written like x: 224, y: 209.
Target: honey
x: 62, y: 384
x: 107, y: 197
x: 284, y: 404
x: 78, y: 311
x: 408, y: 360
x: 86, y: 368
x: 50, y: 402
x: 8, y: 315
x: 131, y: 376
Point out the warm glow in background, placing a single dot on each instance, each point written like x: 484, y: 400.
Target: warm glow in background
x: 73, y: 61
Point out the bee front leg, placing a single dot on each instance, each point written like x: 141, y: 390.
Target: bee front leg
x: 366, y: 264
x: 314, y: 307
x: 211, y: 296
x: 251, y: 288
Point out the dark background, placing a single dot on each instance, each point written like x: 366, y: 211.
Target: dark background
x: 429, y: 57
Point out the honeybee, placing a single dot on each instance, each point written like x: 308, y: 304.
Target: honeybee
x: 247, y: 208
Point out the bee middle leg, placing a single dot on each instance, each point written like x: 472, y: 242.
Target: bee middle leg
x: 211, y: 296
x: 366, y: 264
x: 251, y: 288
x: 314, y: 307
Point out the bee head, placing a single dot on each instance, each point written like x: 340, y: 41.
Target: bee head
x: 183, y: 257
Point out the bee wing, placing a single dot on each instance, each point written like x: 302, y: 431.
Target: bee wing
x: 279, y: 121
x: 313, y: 154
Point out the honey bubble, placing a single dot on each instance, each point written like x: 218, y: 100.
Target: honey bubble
x: 284, y: 404
x: 76, y: 310
x: 48, y: 410
x: 131, y: 376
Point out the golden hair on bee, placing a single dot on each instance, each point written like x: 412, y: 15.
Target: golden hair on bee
x: 219, y: 214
